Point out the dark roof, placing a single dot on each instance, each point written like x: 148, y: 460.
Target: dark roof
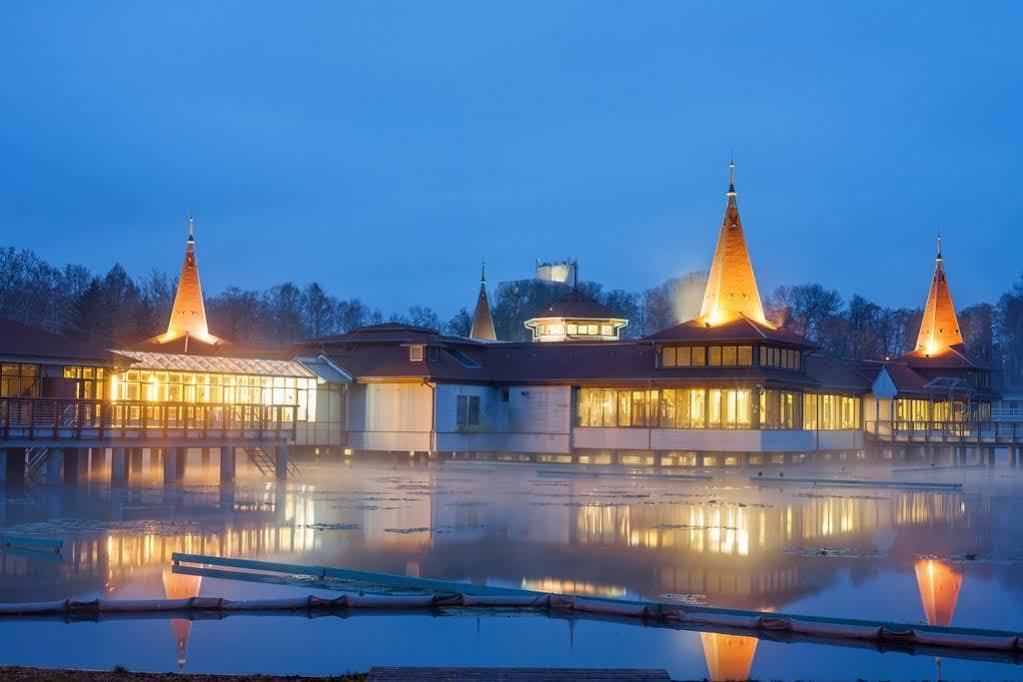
x: 839, y: 373
x: 388, y: 332
x: 576, y: 304
x: 740, y: 329
x: 21, y: 341
x: 955, y: 358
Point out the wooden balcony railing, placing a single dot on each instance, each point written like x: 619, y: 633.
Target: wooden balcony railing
x: 59, y: 418
x: 951, y: 432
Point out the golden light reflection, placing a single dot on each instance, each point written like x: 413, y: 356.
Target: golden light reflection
x: 181, y: 586
x: 939, y: 584
x: 729, y: 657
x: 568, y: 586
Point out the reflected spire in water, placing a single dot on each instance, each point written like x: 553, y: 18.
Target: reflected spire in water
x: 939, y: 585
x: 180, y: 586
x: 729, y: 657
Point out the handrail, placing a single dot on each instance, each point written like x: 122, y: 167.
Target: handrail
x: 75, y: 418
x: 981, y: 432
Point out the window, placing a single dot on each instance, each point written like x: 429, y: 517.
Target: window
x: 714, y: 356
x: 607, y: 330
x: 573, y: 329
x: 669, y: 356
x: 415, y: 353
x: 780, y: 410
x: 467, y: 411
x: 830, y: 412
x: 699, y: 356
x: 745, y: 356
x: 19, y: 380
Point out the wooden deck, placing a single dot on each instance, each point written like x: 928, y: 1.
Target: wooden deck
x: 386, y: 674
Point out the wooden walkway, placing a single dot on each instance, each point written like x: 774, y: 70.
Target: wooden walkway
x: 383, y: 674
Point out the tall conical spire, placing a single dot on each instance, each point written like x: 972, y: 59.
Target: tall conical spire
x: 729, y: 657
x: 939, y: 584
x: 482, y: 322
x: 939, y: 328
x: 731, y: 287
x: 188, y: 317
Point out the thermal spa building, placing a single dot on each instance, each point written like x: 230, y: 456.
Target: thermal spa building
x: 725, y: 387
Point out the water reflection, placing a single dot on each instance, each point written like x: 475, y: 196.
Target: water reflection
x: 939, y: 585
x: 843, y: 552
x: 729, y: 657
x: 179, y: 586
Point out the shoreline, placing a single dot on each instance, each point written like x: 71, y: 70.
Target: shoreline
x: 120, y: 674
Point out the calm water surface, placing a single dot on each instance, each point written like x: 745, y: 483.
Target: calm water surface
x: 875, y: 553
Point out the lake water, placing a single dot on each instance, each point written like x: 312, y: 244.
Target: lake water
x: 872, y: 553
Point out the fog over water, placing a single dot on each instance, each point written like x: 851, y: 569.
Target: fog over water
x: 894, y: 554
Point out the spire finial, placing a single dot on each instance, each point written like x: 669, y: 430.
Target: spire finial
x: 483, y: 271
x: 191, y: 229
x: 731, y: 174
x: 939, y: 245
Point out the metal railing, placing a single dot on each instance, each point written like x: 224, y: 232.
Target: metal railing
x: 953, y: 432
x: 64, y: 418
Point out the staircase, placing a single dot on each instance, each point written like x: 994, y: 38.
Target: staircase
x: 267, y: 463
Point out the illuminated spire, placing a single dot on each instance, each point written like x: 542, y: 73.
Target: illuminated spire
x: 939, y: 328
x: 731, y: 287
x: 482, y: 322
x: 188, y: 317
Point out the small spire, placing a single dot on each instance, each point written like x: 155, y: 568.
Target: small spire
x: 731, y: 176
x: 191, y: 229
x: 483, y: 272
x: 939, y: 246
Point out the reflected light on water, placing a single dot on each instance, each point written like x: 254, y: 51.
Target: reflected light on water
x: 939, y: 585
x: 729, y: 657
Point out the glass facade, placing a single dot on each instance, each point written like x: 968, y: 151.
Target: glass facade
x: 19, y: 380
x: 728, y: 356
x: 825, y: 412
x: 715, y: 408
x: 90, y: 382
x: 230, y: 389
x: 670, y: 408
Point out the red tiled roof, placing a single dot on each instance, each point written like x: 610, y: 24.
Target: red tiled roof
x: 21, y: 341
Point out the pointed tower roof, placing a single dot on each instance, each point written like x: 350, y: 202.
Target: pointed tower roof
x: 731, y: 287
x: 188, y: 317
x: 482, y: 322
x: 939, y: 329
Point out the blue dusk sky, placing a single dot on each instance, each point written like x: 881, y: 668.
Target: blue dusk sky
x: 383, y: 149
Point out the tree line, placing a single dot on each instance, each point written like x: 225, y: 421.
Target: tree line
x: 115, y: 308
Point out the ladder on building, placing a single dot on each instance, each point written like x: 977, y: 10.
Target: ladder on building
x: 267, y: 463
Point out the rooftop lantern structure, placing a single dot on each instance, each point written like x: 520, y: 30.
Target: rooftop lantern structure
x: 731, y: 286
x: 482, y: 322
x: 188, y: 317
x: 939, y: 328
x: 576, y: 317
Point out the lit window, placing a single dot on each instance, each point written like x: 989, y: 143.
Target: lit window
x: 715, y: 356
x: 728, y: 356
x: 668, y: 357
x: 745, y: 358
x: 415, y: 353
x: 699, y: 356
x: 607, y: 330
x: 573, y: 329
x: 591, y: 329
x: 683, y: 356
